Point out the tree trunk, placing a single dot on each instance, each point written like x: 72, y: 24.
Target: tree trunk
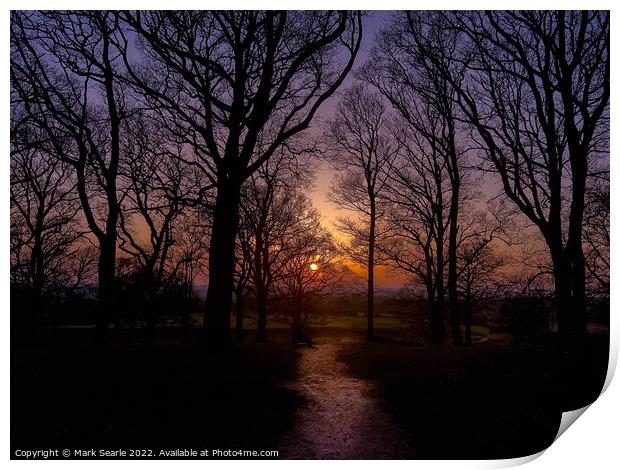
x: 579, y: 325
x: 36, y: 302
x: 468, y: 320
x: 437, y: 322
x: 187, y: 305
x: 576, y: 325
x: 371, y: 273
x: 222, y: 265
x: 572, y: 319
x: 34, y: 318
x: 436, y: 327
x: 107, y: 257
x: 239, y: 306
x: 455, y: 321
x: 149, y: 309
x: 569, y: 299
x: 299, y: 335
x: 260, y: 267
x: 569, y: 280
x: 261, y: 325
x: 106, y: 268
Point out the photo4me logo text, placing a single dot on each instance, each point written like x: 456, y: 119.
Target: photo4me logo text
x: 41, y: 454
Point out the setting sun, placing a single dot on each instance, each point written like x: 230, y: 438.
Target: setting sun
x: 314, y: 266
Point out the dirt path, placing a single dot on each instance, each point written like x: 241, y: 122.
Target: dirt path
x: 344, y: 416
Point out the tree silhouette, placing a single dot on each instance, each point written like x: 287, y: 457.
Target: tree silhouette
x: 48, y: 255
x: 409, y: 79
x: 153, y: 182
x: 480, y: 257
x: 360, y: 148
x: 597, y: 239
x: 311, y: 267
x: 270, y: 206
x: 225, y: 81
x: 418, y: 197
x: 63, y: 70
x: 537, y: 95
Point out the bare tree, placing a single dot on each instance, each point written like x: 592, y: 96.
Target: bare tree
x: 242, y: 278
x: 409, y: 79
x: 62, y: 69
x: 48, y: 251
x: 187, y: 256
x: 537, y: 95
x: 271, y: 203
x: 224, y: 81
x: 360, y: 147
x: 189, y: 251
x: 418, y: 197
x: 480, y: 258
x: 596, y: 237
x: 154, y: 183
x: 312, y: 267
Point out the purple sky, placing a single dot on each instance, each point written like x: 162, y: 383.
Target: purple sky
x: 372, y: 23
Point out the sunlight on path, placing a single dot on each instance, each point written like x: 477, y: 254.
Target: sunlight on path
x: 344, y: 416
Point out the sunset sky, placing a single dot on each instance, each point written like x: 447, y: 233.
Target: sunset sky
x: 373, y: 22
x: 384, y: 277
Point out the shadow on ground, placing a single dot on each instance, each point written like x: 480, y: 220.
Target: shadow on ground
x: 480, y: 402
x: 159, y: 397
x: 342, y: 398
